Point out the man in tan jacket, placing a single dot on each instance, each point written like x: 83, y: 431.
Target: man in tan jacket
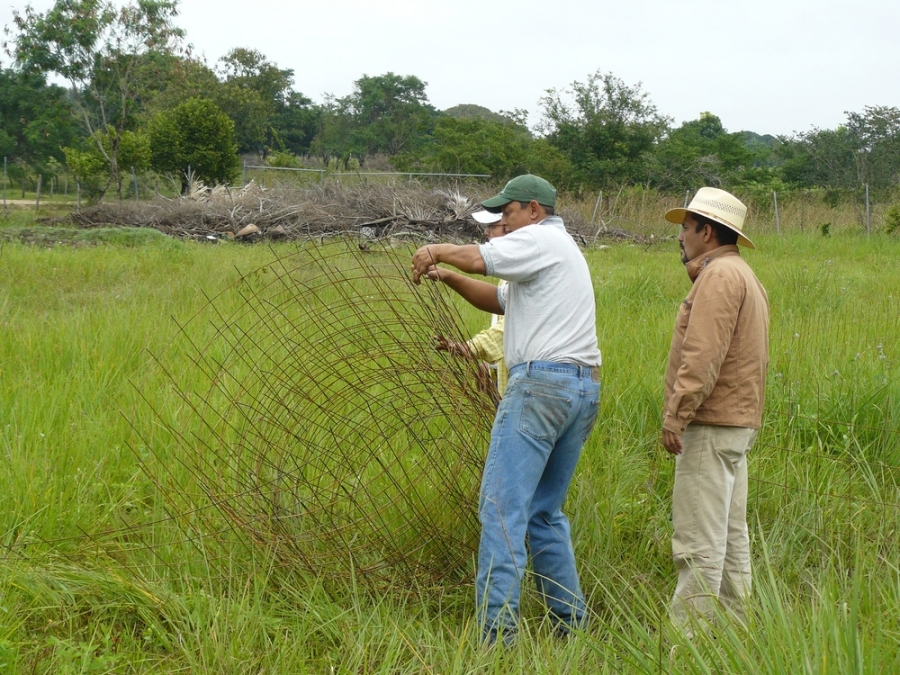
x: 715, y: 388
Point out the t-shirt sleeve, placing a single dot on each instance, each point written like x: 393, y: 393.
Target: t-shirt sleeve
x: 502, y: 291
x: 514, y: 257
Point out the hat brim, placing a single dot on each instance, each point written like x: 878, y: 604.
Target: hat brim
x: 486, y: 217
x: 677, y: 216
x: 495, y: 204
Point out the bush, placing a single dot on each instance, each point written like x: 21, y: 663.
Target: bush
x: 892, y: 219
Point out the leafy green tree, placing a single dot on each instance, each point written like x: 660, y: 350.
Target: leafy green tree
x: 700, y: 152
x: 387, y: 114
x: 472, y: 145
x: 391, y: 114
x: 546, y: 160
x: 820, y: 157
x: 468, y: 111
x: 876, y: 139
x: 253, y: 88
x: 250, y: 113
x: 864, y: 151
x: 608, y: 130
x: 295, y: 124
x: 182, y: 78
x: 90, y: 163
x: 196, y: 137
x: 335, y: 128
x: 104, y: 52
x: 35, y: 121
x: 259, y: 98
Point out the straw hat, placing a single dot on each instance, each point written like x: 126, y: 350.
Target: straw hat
x: 718, y: 205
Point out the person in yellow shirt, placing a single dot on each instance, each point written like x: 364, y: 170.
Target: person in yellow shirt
x: 486, y: 346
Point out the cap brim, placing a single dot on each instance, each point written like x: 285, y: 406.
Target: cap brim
x: 677, y: 216
x: 495, y: 204
x: 487, y: 217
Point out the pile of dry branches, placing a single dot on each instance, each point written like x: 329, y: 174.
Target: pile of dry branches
x: 254, y: 212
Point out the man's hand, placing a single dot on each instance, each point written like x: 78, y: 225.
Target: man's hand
x: 445, y: 344
x: 672, y: 442
x: 486, y: 383
x: 423, y: 262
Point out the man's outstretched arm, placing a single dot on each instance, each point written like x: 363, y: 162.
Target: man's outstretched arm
x: 477, y: 293
x: 464, y: 258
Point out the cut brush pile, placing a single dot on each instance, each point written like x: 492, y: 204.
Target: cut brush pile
x: 409, y: 211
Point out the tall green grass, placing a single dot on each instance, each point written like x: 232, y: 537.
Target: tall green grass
x: 82, y: 396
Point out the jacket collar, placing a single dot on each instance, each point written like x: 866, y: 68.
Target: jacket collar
x: 698, y: 264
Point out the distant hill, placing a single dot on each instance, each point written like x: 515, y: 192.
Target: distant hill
x: 469, y: 111
x: 754, y: 140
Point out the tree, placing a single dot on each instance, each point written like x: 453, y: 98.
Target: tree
x: 253, y: 89
x: 700, y: 152
x: 391, y: 113
x: 89, y: 162
x: 551, y: 163
x: 259, y: 98
x: 472, y: 145
x: 334, y: 131
x: 468, y: 111
x: 295, y: 123
x: 35, y: 120
x: 608, y: 131
x: 196, y: 137
x: 864, y: 151
x: 875, y: 133
x: 103, y: 51
x: 820, y: 157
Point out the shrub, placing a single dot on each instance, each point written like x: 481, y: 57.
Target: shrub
x: 892, y: 219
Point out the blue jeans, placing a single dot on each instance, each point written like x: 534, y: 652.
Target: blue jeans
x: 544, y: 418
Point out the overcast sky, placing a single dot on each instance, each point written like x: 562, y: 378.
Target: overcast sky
x: 771, y: 66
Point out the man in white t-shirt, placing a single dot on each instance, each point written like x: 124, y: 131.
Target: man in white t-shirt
x: 550, y: 404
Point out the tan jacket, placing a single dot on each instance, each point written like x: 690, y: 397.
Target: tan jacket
x: 720, y: 347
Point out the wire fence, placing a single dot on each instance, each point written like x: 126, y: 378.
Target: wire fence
x: 299, y: 177
x: 633, y: 210
x: 641, y: 211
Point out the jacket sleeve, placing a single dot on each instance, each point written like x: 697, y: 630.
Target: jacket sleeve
x: 707, y: 339
x: 488, y: 344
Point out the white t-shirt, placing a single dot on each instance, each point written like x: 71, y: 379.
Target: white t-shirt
x: 549, y: 301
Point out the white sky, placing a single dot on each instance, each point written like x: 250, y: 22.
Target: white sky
x: 771, y: 66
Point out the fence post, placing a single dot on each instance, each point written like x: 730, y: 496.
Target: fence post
x: 134, y: 178
x: 37, y: 197
x: 78, y: 198
x: 4, y: 181
x: 244, y: 174
x: 868, y: 213
x: 596, y: 207
x: 777, y: 218
x: 687, y: 196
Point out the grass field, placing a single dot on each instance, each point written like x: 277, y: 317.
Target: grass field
x: 84, y: 409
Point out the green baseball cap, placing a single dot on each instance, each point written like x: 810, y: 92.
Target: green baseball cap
x: 523, y: 189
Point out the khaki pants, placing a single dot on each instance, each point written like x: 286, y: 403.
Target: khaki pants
x: 710, y: 543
